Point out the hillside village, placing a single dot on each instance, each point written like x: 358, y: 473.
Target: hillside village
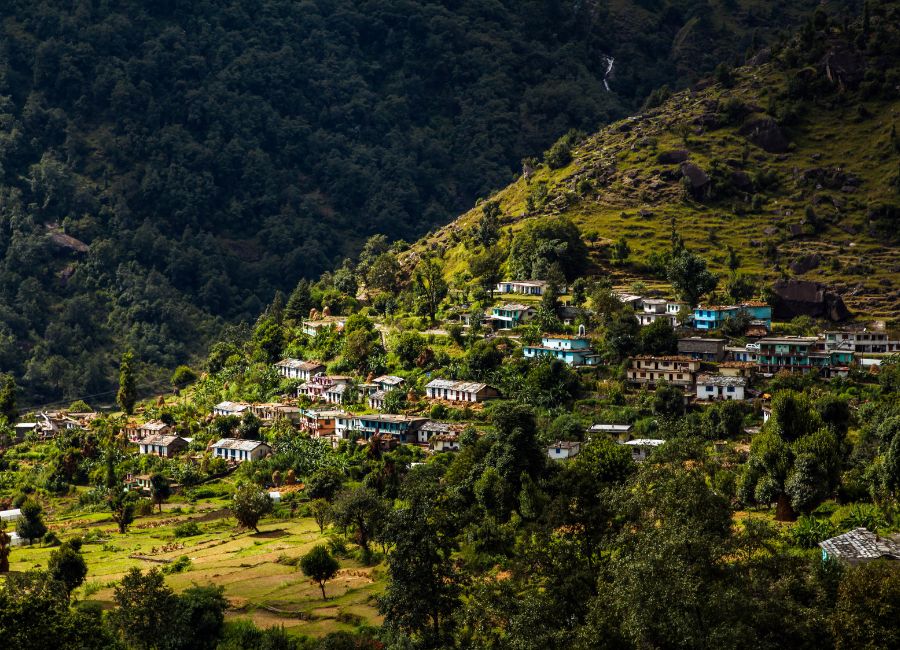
x: 521, y: 431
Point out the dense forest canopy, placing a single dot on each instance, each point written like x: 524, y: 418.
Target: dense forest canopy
x: 166, y: 165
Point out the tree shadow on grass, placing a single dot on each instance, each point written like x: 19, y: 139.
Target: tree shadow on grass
x: 270, y: 534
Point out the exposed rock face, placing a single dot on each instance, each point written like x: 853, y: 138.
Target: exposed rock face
x: 673, y: 157
x: 696, y: 176
x: 765, y: 133
x: 844, y: 67
x: 793, y: 298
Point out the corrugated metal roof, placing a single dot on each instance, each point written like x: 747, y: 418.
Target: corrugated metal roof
x: 238, y: 443
x: 860, y: 544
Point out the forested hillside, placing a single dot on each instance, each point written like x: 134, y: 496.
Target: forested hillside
x: 165, y: 165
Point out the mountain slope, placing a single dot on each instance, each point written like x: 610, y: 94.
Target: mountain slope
x: 202, y: 155
x: 796, y: 162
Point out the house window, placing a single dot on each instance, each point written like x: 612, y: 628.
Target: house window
x: 731, y: 389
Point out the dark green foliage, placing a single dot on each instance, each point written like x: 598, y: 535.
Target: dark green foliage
x: 867, y: 608
x: 544, y: 242
x: 150, y: 615
x: 249, y: 505
x: 35, y: 613
x: 363, y: 512
x: 8, y: 389
x: 320, y: 566
x: 67, y: 566
x: 127, y: 395
x: 690, y: 277
x: 160, y: 490
x: 183, y: 376
x: 658, y: 338
x: 30, y: 525
x: 408, y: 347
x: 668, y: 400
x: 424, y: 586
x: 487, y: 230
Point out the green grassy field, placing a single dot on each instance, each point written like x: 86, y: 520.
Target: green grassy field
x: 256, y: 570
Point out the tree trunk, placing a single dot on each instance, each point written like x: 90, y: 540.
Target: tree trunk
x: 783, y: 509
x: 322, y: 587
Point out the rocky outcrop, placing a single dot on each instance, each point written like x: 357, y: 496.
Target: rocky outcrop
x: 844, y: 67
x: 672, y: 157
x: 697, y: 178
x: 793, y: 298
x: 805, y: 263
x: 765, y: 133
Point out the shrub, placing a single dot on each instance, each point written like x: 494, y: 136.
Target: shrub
x: 180, y: 565
x: 188, y: 529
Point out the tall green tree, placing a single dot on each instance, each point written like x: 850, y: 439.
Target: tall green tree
x: 362, y: 511
x: 31, y: 525
x: 8, y: 390
x: 66, y: 564
x: 430, y: 286
x: 690, y: 278
x: 127, y: 395
x: 160, y: 489
x: 424, y: 586
x: 319, y: 565
x: 249, y: 505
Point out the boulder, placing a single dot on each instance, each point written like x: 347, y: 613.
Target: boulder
x: 696, y: 176
x: 742, y: 181
x: 792, y: 298
x: 673, y: 157
x: 805, y: 263
x: 765, y: 133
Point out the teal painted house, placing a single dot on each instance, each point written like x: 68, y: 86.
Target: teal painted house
x: 574, y: 350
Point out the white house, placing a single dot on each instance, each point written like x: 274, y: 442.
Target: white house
x: 298, y: 369
x: 162, y: 445
x: 459, y: 391
x: 239, y: 451
x: 720, y: 387
x: 445, y: 442
x: 658, y: 308
x: 433, y: 428
x: 525, y: 287
x: 230, y: 408
x: 10, y: 516
x: 312, y: 327
x: 642, y: 447
x: 24, y: 428
x: 563, y: 449
x: 153, y: 428
x: 388, y: 382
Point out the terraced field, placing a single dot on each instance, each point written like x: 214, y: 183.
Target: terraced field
x: 257, y: 570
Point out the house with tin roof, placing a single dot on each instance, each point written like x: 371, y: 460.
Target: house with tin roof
x: 459, y: 391
x: 574, y: 350
x: 237, y: 450
x: 858, y: 546
x: 712, y: 387
x: 298, y: 369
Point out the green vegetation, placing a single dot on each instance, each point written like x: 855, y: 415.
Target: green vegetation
x: 507, y: 522
x: 166, y: 164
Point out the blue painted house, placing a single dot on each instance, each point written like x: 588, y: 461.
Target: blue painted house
x: 713, y: 317
x: 574, y: 350
x: 399, y: 427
